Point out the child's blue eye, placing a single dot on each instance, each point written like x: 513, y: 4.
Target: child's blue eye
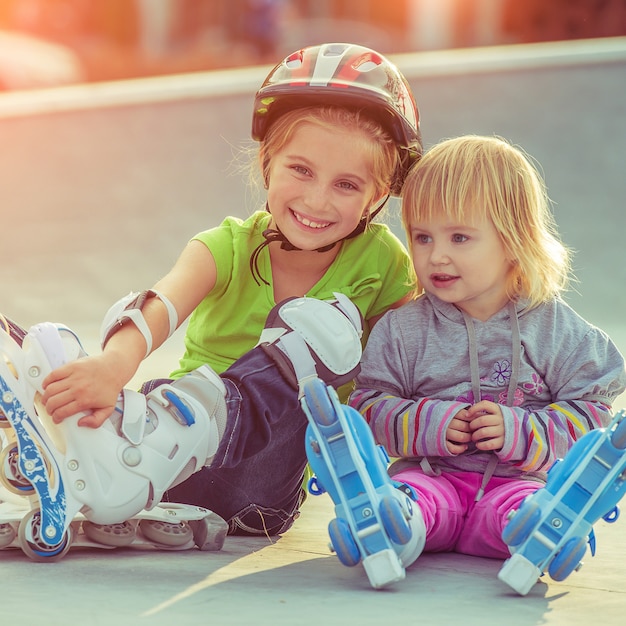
x: 347, y: 185
x: 458, y: 238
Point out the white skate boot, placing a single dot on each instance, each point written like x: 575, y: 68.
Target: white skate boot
x: 84, y: 486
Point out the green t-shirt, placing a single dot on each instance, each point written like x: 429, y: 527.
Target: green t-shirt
x: 372, y: 269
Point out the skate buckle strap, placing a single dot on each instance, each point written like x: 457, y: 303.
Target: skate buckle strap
x: 350, y: 310
x: 301, y: 360
x: 134, y: 416
x: 47, y: 340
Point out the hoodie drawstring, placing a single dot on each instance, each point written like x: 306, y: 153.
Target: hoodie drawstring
x: 475, y: 379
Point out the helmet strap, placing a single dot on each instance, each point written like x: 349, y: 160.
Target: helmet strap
x: 271, y: 235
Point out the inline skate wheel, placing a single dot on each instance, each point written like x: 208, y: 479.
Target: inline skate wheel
x: 29, y: 536
x: 166, y: 533
x: 10, y: 475
x: 7, y: 535
x: 114, y: 535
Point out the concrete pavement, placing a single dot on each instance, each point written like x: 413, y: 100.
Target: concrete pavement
x: 295, y: 580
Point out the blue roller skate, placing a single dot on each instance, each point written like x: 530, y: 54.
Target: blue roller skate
x: 377, y: 523
x: 551, y: 529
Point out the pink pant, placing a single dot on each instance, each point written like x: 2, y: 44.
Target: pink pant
x: 454, y: 521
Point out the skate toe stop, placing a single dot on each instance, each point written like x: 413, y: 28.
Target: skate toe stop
x: 519, y: 574
x: 383, y: 568
x: 209, y: 533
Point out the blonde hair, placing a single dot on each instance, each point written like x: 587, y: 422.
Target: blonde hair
x: 472, y: 177
x: 383, y: 150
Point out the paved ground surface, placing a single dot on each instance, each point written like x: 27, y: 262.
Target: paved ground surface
x: 98, y: 200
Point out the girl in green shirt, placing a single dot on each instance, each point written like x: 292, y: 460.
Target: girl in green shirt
x: 285, y: 294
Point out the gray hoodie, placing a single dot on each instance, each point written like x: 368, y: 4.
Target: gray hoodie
x: 554, y: 374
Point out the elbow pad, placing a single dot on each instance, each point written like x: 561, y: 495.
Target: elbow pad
x: 129, y: 309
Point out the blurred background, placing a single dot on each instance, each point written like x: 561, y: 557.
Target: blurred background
x: 55, y: 42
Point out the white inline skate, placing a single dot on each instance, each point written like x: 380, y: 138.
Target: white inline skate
x: 65, y: 485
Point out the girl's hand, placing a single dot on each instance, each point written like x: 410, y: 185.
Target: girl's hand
x: 89, y: 385
x: 458, y: 433
x: 486, y: 424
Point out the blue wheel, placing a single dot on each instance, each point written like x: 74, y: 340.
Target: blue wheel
x: 394, y: 522
x: 319, y: 403
x: 522, y: 523
x: 619, y: 436
x: 568, y: 558
x: 343, y: 542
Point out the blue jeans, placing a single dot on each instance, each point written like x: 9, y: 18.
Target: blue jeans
x: 255, y: 479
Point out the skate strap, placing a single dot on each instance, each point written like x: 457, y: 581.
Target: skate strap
x: 129, y: 309
x: 350, y: 310
x: 296, y: 348
x: 134, y: 416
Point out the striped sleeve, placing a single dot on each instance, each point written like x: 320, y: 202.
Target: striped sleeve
x: 406, y: 428
x: 534, y: 440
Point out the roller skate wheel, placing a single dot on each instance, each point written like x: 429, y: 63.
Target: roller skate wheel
x: 29, y: 536
x: 522, y: 523
x: 394, y: 521
x: 342, y: 542
x: 165, y: 533
x: 319, y: 402
x: 10, y: 475
x: 7, y: 535
x: 568, y: 560
x: 115, y: 535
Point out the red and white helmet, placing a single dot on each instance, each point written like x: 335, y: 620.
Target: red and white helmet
x: 346, y: 75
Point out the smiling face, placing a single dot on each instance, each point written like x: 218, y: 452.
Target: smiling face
x: 462, y: 263
x: 320, y: 184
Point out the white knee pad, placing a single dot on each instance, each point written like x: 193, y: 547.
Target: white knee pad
x: 155, y: 442
x: 308, y: 338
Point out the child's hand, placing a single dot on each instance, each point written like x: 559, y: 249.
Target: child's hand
x: 458, y: 434
x: 87, y: 385
x: 486, y: 424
